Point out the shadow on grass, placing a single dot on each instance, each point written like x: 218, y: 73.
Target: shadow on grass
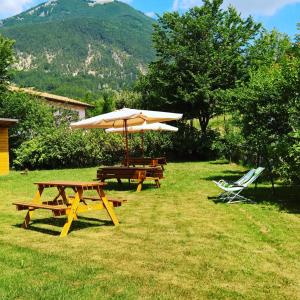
x: 286, y: 198
x: 229, y: 176
x: 81, y: 223
x: 126, y: 186
x: 219, y: 162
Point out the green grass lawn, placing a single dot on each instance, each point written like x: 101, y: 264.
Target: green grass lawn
x: 172, y: 243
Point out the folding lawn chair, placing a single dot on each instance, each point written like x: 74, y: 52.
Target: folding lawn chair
x: 240, y: 181
x: 232, y: 191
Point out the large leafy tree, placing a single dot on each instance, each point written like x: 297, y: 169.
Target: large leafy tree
x: 269, y: 48
x: 6, y: 59
x: 34, y: 116
x: 199, y: 54
x: 268, y: 109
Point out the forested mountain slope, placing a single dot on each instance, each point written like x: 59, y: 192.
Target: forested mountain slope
x: 70, y: 47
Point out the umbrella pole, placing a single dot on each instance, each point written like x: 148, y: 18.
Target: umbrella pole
x: 126, y: 143
x: 142, y: 143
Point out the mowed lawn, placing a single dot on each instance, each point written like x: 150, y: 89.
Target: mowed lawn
x: 172, y: 243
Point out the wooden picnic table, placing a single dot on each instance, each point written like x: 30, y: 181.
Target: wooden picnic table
x: 70, y: 206
x: 140, y: 174
x: 146, y: 161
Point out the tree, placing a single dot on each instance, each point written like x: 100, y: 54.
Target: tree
x: 269, y: 48
x: 268, y: 111
x: 33, y: 115
x: 6, y: 59
x: 199, y: 54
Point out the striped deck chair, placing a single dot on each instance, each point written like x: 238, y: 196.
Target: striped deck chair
x: 231, y: 191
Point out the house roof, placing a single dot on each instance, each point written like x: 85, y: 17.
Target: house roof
x: 5, y: 123
x: 50, y: 97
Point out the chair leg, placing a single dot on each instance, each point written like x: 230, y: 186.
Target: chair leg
x: 239, y: 198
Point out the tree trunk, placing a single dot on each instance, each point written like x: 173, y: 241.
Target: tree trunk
x: 203, y: 121
x: 271, y: 174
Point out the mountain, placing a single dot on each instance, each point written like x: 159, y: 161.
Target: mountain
x: 71, y: 47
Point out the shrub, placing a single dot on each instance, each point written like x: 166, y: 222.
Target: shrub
x: 33, y: 114
x: 65, y: 148
x: 229, y: 145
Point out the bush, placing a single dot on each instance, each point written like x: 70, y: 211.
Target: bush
x: 189, y: 143
x: 230, y: 144
x: 33, y: 114
x: 65, y: 148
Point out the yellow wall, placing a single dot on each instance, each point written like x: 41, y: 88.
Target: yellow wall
x: 4, y: 156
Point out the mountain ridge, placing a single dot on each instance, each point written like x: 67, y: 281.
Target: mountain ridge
x: 85, y: 44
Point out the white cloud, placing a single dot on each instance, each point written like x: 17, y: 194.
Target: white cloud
x: 185, y: 4
x: 246, y: 7
x: 150, y: 14
x: 175, y: 5
x: 259, y: 7
x: 127, y: 1
x: 13, y: 7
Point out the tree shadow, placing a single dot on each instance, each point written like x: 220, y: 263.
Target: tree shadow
x: 286, y: 198
x: 80, y: 224
x: 126, y: 186
x: 229, y: 176
x: 219, y: 162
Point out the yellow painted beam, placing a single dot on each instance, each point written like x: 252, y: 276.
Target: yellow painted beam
x: 4, y: 153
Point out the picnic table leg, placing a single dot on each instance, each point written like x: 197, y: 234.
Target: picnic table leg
x: 108, y: 208
x: 157, y: 183
x: 36, y: 199
x: 140, y: 184
x: 72, y: 213
x: 66, y: 200
x: 141, y: 178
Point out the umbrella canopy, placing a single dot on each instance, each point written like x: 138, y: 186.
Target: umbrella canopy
x: 126, y: 117
x: 144, y: 127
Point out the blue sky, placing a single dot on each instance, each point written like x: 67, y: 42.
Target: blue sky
x: 280, y: 14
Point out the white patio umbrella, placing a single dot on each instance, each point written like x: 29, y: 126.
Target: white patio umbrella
x: 142, y: 128
x: 125, y: 117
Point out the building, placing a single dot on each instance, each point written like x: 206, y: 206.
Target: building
x: 57, y: 101
x: 4, y: 146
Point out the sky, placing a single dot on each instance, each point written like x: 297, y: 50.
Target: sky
x: 280, y: 14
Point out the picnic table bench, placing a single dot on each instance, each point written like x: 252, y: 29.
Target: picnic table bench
x: 72, y: 205
x: 140, y: 174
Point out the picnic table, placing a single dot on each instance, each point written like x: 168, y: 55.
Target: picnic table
x: 72, y: 205
x: 140, y: 174
x: 144, y: 161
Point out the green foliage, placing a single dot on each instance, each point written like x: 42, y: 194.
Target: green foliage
x: 33, y: 114
x: 269, y: 48
x: 268, y: 111
x: 187, y: 144
x: 6, y: 59
x: 62, y: 147
x: 230, y: 144
x: 75, y: 47
x: 199, y: 54
x: 128, y: 98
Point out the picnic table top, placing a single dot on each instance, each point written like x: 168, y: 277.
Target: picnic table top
x: 57, y: 183
x: 130, y: 168
x: 147, y: 157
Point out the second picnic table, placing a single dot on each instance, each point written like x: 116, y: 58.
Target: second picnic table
x: 71, y: 206
x: 131, y: 173
x: 146, y: 161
